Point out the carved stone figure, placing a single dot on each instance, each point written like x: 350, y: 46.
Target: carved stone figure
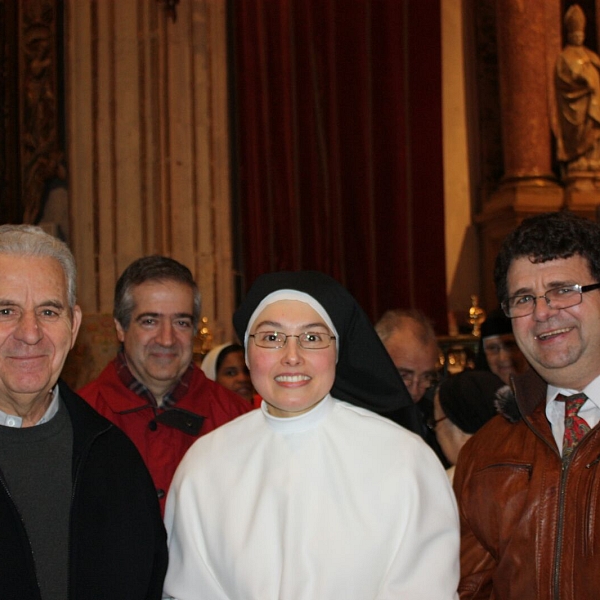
x: 476, y: 315
x: 578, y: 98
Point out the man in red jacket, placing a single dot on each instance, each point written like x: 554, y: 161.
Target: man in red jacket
x: 152, y: 390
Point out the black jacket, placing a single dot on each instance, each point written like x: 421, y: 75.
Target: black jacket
x: 117, y: 539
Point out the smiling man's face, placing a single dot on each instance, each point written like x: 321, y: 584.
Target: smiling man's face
x: 159, y: 342
x: 37, y: 330
x: 563, y: 346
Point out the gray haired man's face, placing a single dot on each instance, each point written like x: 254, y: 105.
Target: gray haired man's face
x: 37, y: 329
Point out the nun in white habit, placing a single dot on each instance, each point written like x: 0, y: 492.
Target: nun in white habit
x: 315, y: 496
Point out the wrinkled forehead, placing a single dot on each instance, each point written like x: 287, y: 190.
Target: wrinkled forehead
x: 410, y: 352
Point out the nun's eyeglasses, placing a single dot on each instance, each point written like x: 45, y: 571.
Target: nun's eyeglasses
x: 309, y: 340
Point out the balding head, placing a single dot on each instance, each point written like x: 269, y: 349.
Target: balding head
x: 410, y: 341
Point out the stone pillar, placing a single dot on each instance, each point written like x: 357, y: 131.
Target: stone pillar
x: 528, y: 39
x: 524, y: 89
x: 528, y: 36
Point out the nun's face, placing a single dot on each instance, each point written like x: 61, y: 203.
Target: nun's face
x: 291, y: 380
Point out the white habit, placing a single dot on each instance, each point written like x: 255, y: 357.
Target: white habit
x: 335, y: 504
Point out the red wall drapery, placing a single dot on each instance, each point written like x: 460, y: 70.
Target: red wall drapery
x: 339, y: 145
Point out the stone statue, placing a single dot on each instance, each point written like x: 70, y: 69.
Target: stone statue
x: 578, y: 98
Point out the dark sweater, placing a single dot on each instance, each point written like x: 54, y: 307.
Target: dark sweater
x: 117, y: 542
x: 36, y: 463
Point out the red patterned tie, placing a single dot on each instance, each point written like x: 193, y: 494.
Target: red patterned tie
x: 575, y: 426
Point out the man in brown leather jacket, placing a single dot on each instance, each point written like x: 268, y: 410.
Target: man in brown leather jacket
x: 528, y: 483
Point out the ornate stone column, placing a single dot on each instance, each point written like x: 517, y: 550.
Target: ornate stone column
x: 528, y: 34
x: 525, y: 67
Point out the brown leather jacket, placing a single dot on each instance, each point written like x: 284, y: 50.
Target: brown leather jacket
x: 530, y: 522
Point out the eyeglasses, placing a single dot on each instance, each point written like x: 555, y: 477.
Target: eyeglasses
x: 432, y: 423
x: 309, y: 340
x: 425, y: 380
x: 557, y: 298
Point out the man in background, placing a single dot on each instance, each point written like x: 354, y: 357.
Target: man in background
x: 528, y: 483
x: 410, y: 340
x: 153, y: 390
x: 78, y: 512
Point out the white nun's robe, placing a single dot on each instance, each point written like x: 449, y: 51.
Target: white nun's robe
x: 335, y: 504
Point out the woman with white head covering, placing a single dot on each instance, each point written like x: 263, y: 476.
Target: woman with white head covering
x: 314, y: 496
x: 225, y: 365
x: 209, y: 362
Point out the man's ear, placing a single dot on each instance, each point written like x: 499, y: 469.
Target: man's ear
x: 75, y: 324
x: 120, y: 331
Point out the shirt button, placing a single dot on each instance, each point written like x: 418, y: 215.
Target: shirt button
x: 160, y: 493
x: 10, y: 422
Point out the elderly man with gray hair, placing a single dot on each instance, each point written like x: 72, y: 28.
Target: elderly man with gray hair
x: 78, y: 512
x: 409, y: 338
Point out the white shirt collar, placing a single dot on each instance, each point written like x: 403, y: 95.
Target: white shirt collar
x: 17, y: 422
x: 592, y: 391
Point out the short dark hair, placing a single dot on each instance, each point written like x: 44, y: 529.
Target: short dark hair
x: 151, y: 268
x: 545, y: 237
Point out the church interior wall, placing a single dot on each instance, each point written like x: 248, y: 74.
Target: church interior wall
x: 132, y: 148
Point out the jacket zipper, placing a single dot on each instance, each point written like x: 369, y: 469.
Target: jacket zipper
x: 82, y: 457
x: 561, y: 524
x: 565, y: 462
x: 561, y: 506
